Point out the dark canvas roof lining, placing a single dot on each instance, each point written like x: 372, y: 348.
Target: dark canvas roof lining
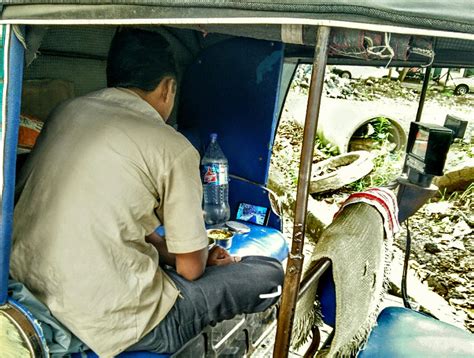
x: 431, y: 15
x: 91, y: 42
x: 444, y: 15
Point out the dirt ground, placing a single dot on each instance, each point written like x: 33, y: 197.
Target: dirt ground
x: 442, y: 253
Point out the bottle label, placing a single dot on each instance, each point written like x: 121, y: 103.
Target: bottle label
x: 215, y: 174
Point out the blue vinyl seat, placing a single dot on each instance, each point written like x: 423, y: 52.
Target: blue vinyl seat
x: 401, y: 332
x: 261, y: 240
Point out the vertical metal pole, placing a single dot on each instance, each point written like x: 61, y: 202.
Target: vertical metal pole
x: 13, y: 76
x: 295, y: 259
x: 424, y: 89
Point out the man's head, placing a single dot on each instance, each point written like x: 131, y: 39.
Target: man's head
x: 142, y: 61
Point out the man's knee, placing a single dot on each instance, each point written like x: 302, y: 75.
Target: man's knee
x: 266, y: 268
x: 266, y: 275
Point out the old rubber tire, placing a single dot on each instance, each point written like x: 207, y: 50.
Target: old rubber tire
x: 461, y: 90
x: 349, y: 168
x: 345, y: 74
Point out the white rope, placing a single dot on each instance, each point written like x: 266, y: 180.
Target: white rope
x: 384, y: 51
x: 424, y: 52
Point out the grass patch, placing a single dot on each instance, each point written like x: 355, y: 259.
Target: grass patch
x: 387, y: 167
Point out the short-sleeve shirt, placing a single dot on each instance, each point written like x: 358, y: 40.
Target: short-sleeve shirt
x: 105, y: 172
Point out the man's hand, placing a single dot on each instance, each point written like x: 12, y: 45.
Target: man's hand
x: 219, y: 256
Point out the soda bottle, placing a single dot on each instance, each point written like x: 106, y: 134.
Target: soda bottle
x: 214, y: 169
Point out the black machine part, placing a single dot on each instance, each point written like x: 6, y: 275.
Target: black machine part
x: 411, y: 197
x: 427, y: 149
x: 457, y: 125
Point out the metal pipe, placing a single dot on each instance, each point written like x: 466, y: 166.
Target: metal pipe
x: 424, y: 89
x: 318, y: 270
x: 295, y: 259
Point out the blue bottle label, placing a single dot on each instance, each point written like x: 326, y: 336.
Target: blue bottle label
x: 215, y: 174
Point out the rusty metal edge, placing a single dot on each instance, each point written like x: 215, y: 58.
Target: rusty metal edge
x: 295, y: 259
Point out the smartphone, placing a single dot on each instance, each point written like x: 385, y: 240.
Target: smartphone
x: 253, y: 213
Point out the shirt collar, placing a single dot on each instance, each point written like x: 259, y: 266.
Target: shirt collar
x: 128, y: 98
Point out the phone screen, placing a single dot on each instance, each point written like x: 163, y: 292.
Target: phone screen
x: 252, y: 213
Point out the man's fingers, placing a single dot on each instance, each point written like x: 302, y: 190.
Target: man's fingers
x: 224, y: 261
x: 219, y: 256
x: 219, y: 252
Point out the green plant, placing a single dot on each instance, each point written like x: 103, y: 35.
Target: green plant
x: 381, y: 129
x: 387, y: 167
x: 468, y: 193
x: 326, y: 148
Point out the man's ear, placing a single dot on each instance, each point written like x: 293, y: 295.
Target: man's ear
x: 169, y: 89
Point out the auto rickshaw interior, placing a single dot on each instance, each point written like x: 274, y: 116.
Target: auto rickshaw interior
x: 232, y: 85
x: 229, y: 84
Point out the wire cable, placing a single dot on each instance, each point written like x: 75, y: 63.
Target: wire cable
x: 405, y: 267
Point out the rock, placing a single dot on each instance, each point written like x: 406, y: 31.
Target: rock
x: 439, y: 207
x: 461, y: 229
x: 438, y: 286
x: 461, y: 289
x: 446, y: 239
x: 454, y: 277
x: 458, y: 178
x: 458, y: 301
x: 432, y: 248
x: 457, y: 245
x: 429, y: 300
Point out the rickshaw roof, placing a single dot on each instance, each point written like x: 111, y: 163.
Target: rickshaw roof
x: 442, y: 15
x: 451, y: 22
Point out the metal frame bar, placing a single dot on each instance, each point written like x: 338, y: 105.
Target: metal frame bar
x: 424, y: 89
x: 13, y: 72
x: 295, y: 259
x: 313, y: 275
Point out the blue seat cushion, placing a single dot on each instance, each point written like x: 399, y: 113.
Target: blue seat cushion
x: 261, y: 240
x: 401, y: 332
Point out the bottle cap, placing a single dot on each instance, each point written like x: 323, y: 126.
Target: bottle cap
x: 213, y: 136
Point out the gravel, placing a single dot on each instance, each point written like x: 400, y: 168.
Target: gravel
x: 442, y: 252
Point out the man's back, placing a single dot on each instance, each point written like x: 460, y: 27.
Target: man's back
x: 89, y: 194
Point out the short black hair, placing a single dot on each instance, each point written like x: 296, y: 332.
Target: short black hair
x: 139, y: 59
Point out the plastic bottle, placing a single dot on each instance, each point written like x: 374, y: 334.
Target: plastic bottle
x: 214, y: 169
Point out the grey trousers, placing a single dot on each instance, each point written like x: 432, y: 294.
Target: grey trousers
x: 219, y: 294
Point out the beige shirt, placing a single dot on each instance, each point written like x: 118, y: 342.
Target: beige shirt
x: 105, y: 172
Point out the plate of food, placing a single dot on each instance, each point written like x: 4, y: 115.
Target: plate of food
x: 221, y: 237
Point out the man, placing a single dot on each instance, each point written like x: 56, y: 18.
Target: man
x: 105, y: 172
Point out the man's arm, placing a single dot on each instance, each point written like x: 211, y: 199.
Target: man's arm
x: 189, y: 265
x: 160, y: 245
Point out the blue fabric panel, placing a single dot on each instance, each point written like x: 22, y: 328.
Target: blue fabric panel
x: 401, y: 332
x: 15, y: 77
x: 261, y: 240
x: 327, y: 297
x: 232, y: 89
